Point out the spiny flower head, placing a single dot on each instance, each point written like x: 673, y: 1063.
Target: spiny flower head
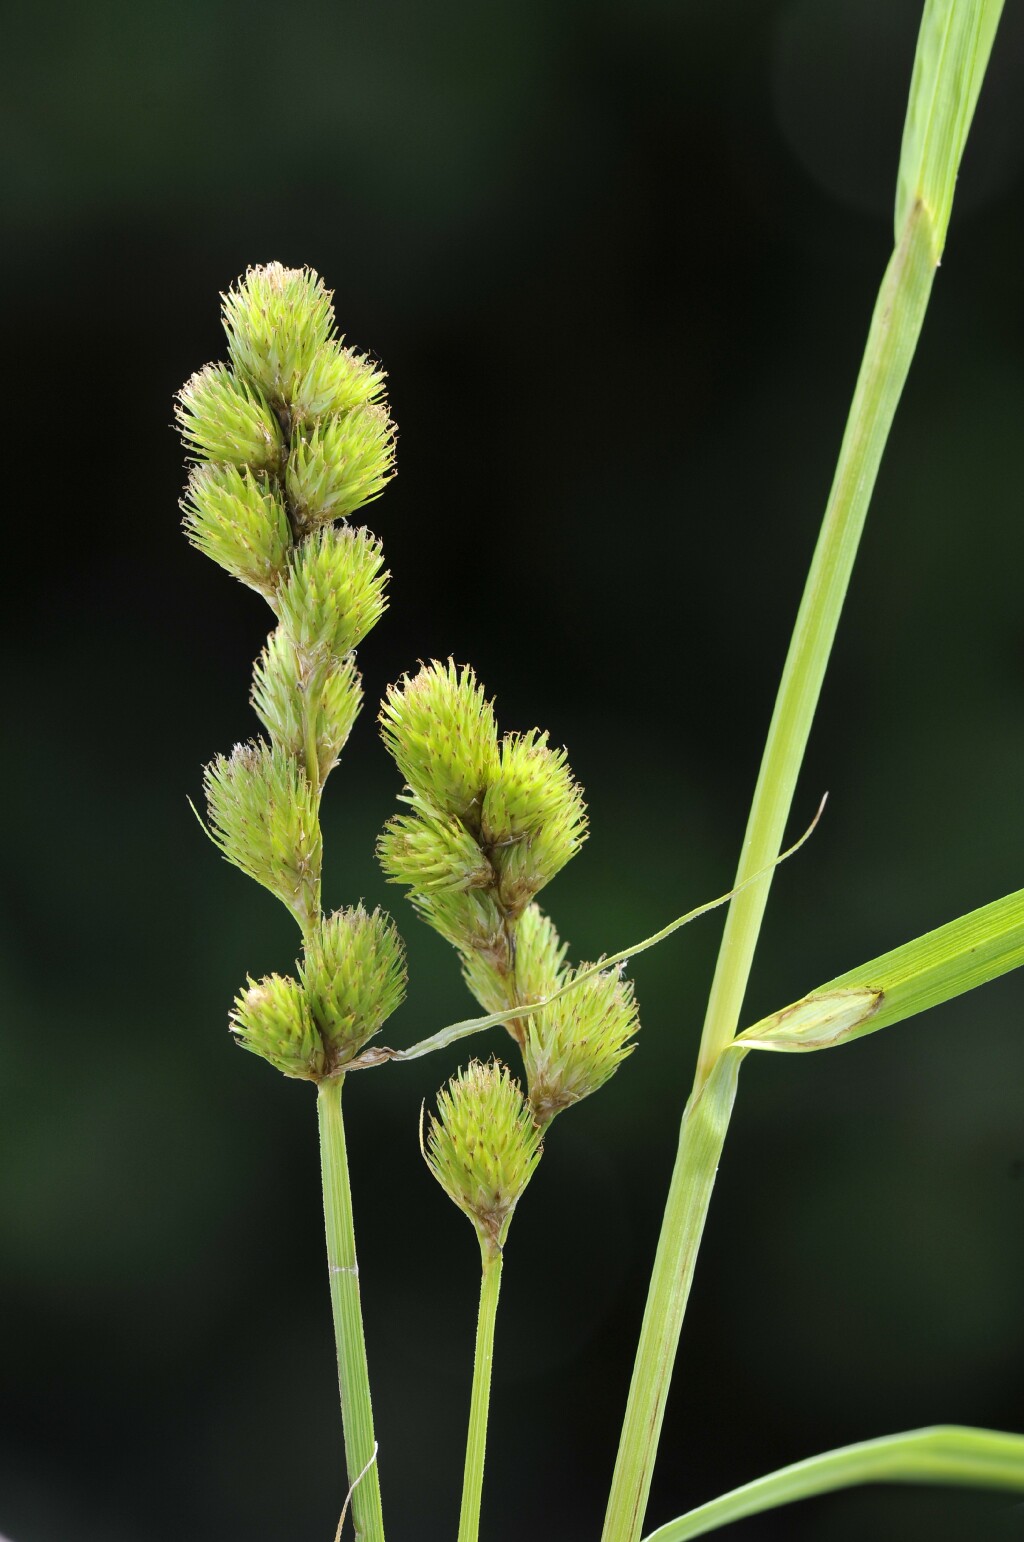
x: 573, y: 1046
x: 271, y: 1017
x: 276, y: 320
x: 226, y: 419
x: 263, y: 816
x: 483, y: 1147
x: 333, y: 592
x: 238, y: 517
x: 353, y: 973
x: 441, y: 731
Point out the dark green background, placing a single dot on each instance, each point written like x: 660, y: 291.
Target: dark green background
x: 618, y: 258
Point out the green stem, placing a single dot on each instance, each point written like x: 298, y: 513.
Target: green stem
x: 476, y: 1440
x: 895, y: 327
x: 343, y: 1272
x: 701, y: 1138
x: 947, y: 1454
x: 953, y: 48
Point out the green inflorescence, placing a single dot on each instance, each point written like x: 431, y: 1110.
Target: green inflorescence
x: 288, y: 438
x: 491, y: 822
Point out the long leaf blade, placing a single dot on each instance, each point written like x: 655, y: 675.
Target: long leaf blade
x: 945, y: 1454
x: 953, y: 48
x: 954, y: 958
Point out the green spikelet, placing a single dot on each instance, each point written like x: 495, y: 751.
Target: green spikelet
x: 339, y: 464
x: 540, y: 966
x: 572, y: 1047
x: 225, y: 419
x: 281, y: 689
x: 238, y: 517
x: 483, y: 1147
x: 441, y: 731
x: 337, y: 380
x: 333, y: 593
x: 428, y: 854
x: 353, y: 973
x: 271, y: 1017
x: 263, y: 816
x: 276, y: 320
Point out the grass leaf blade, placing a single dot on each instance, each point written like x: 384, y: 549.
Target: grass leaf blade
x: 954, y: 958
x: 946, y: 1454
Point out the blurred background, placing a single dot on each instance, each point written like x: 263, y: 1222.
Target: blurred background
x: 619, y: 260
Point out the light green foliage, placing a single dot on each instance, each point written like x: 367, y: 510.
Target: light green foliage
x: 572, y: 1047
x: 353, y: 973
x: 953, y: 49
x: 339, y: 464
x: 483, y: 1147
x: 225, y: 419
x: 263, y: 814
x: 271, y: 1017
x: 333, y: 594
x: 276, y: 320
x: 238, y: 517
x: 440, y: 728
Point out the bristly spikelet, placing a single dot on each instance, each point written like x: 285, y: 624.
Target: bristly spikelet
x: 337, y: 380
x: 534, y: 785
x: 276, y: 320
x: 263, y: 816
x: 534, y: 817
x: 225, y: 419
x: 353, y: 973
x: 470, y: 919
x: 440, y: 729
x: 427, y: 853
x: 333, y: 593
x: 572, y: 1047
x: 340, y: 464
x: 238, y: 518
x: 483, y: 1147
x: 281, y: 688
x: 271, y: 1017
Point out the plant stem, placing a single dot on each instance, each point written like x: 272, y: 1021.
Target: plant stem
x: 895, y: 327
x: 476, y: 1439
x: 701, y: 1138
x: 343, y: 1271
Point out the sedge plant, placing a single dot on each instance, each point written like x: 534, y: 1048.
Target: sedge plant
x: 289, y: 440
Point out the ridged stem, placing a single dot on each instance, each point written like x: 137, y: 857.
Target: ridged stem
x: 343, y: 1274
x: 480, y: 1401
x: 895, y: 328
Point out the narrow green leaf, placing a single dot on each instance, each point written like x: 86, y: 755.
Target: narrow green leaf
x: 947, y: 1454
x: 947, y: 962
x: 953, y: 48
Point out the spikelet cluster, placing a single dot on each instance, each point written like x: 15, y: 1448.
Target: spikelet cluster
x: 491, y: 821
x: 289, y: 437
